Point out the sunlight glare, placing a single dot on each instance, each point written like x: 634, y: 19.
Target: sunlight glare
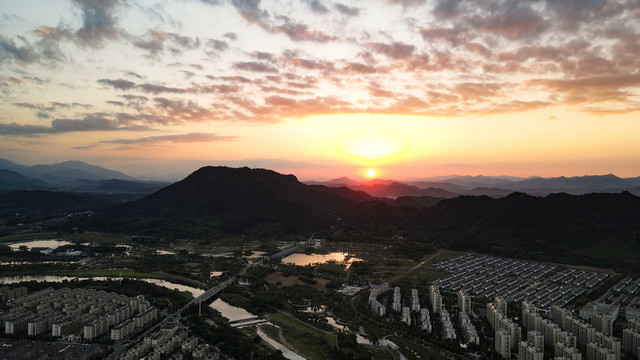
x: 371, y: 173
x: 372, y: 145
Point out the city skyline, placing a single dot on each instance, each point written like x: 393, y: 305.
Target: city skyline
x: 411, y: 89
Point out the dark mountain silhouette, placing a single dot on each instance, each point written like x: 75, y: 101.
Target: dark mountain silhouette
x: 597, y: 229
x: 133, y: 187
x: 45, y: 201
x: 395, y: 189
x: 11, y: 180
x: 222, y: 199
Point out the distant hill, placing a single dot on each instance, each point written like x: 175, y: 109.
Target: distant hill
x: 596, y: 229
x: 68, y: 174
x: 220, y: 199
x: 11, y: 180
x: 72, y: 170
x: 574, y: 185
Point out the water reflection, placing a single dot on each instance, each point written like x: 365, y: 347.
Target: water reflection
x: 54, y: 278
x: 233, y: 313
x: 308, y: 259
x: 47, y: 244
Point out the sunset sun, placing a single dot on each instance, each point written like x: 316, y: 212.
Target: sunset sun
x: 371, y: 173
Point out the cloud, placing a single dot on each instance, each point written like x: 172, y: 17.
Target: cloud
x: 250, y: 11
x: 157, y: 42
x: 99, y: 23
x: 24, y: 54
x: 92, y: 122
x: 255, y: 66
x: 317, y: 7
x: 301, y: 32
x: 180, y: 110
x: 119, y: 84
x: 395, y: 50
x: 158, y: 89
x: 218, y: 45
x: 182, y: 138
x: 347, y: 10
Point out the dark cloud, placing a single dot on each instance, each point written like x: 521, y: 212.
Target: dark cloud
x: 255, y: 66
x: 157, y: 42
x: 310, y: 64
x: 159, y: 89
x: 250, y: 11
x: 219, y: 88
x: 347, y: 10
x: 218, y: 45
x: 99, y: 22
x: 301, y: 32
x: 446, y: 8
x: 119, y: 84
x: 407, y: 3
x: 182, y: 138
x: 316, y: 6
x: 395, y: 50
x: 133, y: 74
x: 24, y: 53
x: 231, y: 36
x: 180, y: 110
x: 513, y: 21
x: 91, y: 122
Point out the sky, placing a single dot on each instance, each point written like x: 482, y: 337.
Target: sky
x: 324, y: 89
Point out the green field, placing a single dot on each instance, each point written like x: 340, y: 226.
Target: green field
x: 286, y: 320
x: 413, y: 350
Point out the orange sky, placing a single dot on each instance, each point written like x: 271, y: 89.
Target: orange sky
x: 324, y: 89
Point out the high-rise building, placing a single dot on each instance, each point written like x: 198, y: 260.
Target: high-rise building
x: 464, y: 301
x: 536, y: 339
x: 528, y: 352
x: 566, y: 351
x: 503, y: 343
x: 397, y: 306
x: 436, y: 299
x: 602, y: 322
x: 550, y: 332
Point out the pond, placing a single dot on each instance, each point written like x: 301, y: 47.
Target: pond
x: 54, y: 278
x: 308, y: 259
x: 47, y: 244
x: 361, y: 339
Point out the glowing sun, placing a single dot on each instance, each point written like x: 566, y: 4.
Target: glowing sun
x: 371, y: 173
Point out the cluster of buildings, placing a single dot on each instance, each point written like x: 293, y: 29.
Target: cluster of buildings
x: 376, y: 306
x: 622, y: 299
x: 464, y: 306
x: 170, y: 341
x: 469, y: 330
x: 631, y: 337
x: 75, y: 314
x: 425, y: 320
x: 380, y: 309
x: 515, y: 280
x: 507, y: 332
x: 448, y: 332
x: 570, y: 336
